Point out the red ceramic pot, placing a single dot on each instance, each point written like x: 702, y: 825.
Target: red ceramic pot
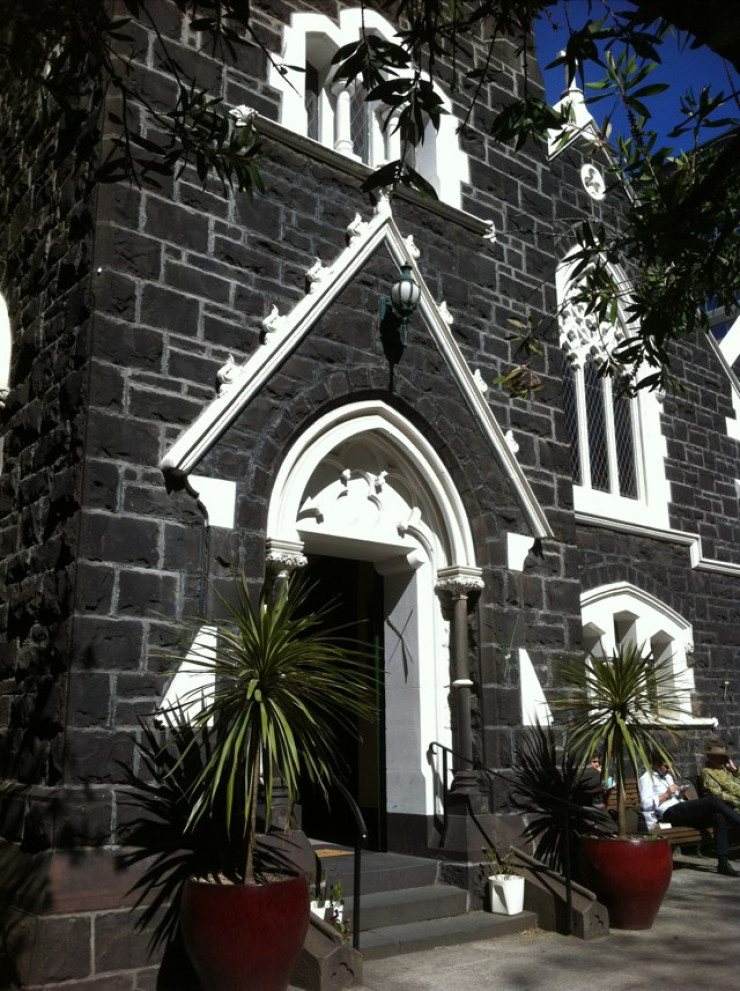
x: 629, y: 876
x: 245, y: 937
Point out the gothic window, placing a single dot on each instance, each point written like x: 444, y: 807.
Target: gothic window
x: 617, y: 448
x: 621, y: 614
x: 602, y: 430
x: 338, y: 116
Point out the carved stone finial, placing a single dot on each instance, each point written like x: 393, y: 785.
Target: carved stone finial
x: 227, y: 375
x: 314, y: 275
x: 272, y: 322
x: 243, y: 115
x: 383, y: 203
x: 355, y: 228
x: 379, y: 480
x: 444, y: 312
x: 411, y: 245
x: 510, y: 442
x: 480, y: 382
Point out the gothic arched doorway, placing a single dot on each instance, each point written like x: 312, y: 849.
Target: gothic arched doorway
x: 364, y: 501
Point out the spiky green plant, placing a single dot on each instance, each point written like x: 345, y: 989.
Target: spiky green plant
x: 550, y: 784
x: 623, y: 705
x: 284, y: 684
x: 156, y: 833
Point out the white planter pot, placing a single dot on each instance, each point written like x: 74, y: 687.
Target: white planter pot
x: 506, y: 893
x: 322, y: 909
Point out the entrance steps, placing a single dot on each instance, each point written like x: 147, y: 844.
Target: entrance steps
x: 405, y: 908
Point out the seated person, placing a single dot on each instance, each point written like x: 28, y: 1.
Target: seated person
x: 604, y: 784
x: 662, y: 801
x: 720, y: 777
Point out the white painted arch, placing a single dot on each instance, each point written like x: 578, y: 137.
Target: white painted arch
x: 363, y: 483
x: 425, y: 470
x: 621, y: 613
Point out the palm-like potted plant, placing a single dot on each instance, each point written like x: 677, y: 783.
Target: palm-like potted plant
x: 623, y: 704
x: 561, y: 799
x: 282, y: 685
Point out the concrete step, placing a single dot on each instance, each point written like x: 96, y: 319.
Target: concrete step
x: 380, y: 872
x: 408, y: 905
x: 413, y: 936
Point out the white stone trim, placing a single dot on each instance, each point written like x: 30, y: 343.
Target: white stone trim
x: 727, y: 355
x: 372, y: 417
x: 197, y: 439
x: 518, y: 545
x: 367, y: 454
x: 218, y: 498
x: 644, y: 620
x: 192, y: 683
x: 581, y: 123
x: 681, y: 537
x: 650, y: 508
x: 535, y: 710
x: 730, y: 343
x: 439, y: 158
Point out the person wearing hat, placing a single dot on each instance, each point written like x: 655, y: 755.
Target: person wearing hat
x: 720, y: 777
x: 663, y: 801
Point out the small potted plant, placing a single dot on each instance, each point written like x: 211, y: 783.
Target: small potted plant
x: 505, y: 886
x: 623, y: 704
x: 321, y: 906
x: 337, y: 905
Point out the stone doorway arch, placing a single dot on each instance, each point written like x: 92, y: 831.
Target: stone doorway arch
x: 362, y: 483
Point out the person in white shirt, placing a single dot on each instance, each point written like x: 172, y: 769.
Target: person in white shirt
x: 663, y: 800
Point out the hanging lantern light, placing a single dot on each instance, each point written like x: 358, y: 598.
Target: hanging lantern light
x: 403, y: 300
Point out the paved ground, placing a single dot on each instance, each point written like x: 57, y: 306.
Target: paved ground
x: 694, y: 945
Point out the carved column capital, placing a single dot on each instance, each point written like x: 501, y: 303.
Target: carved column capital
x: 282, y: 558
x: 458, y: 581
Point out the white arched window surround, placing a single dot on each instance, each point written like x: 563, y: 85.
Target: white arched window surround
x: 620, y: 613
x: 603, y: 488
x: 314, y: 38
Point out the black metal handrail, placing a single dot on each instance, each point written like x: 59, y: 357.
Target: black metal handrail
x: 360, y: 837
x: 445, y: 768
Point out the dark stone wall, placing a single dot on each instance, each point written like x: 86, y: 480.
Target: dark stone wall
x: 47, y: 208
x: 125, y: 306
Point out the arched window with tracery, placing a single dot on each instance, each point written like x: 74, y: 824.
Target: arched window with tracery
x: 621, y: 614
x: 617, y: 447
x: 337, y: 115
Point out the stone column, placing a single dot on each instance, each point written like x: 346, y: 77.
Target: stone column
x: 455, y: 585
x: 282, y: 559
x: 343, y: 119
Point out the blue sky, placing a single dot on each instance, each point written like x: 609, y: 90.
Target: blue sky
x: 681, y: 68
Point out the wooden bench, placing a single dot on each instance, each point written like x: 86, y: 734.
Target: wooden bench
x: 677, y: 836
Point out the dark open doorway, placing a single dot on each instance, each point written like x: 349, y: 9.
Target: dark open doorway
x: 356, y: 590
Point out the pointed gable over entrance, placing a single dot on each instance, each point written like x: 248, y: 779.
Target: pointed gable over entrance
x: 282, y: 333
